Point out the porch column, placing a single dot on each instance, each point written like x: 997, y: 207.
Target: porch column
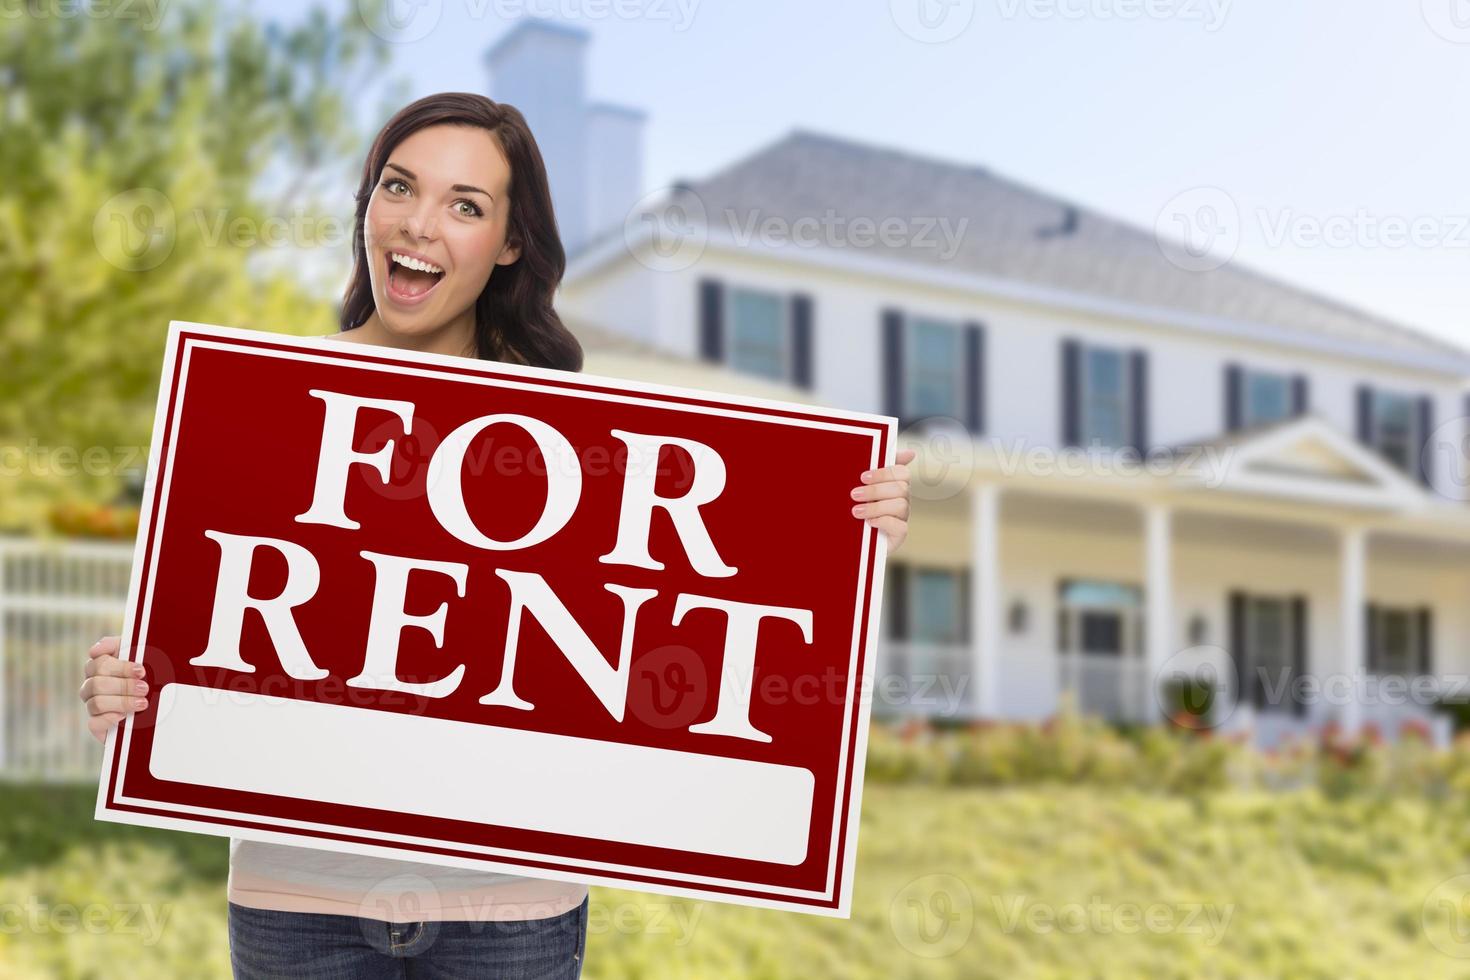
x: 1158, y: 604
x: 1354, y: 665
x: 985, y: 597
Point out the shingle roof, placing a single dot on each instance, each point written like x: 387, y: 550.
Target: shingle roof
x: 808, y: 174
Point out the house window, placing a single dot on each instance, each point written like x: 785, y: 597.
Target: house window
x: 1106, y: 397
x: 936, y: 605
x: 1268, y: 638
x: 1394, y: 641
x: 1267, y: 397
x: 935, y: 359
x: 1268, y: 650
x: 1393, y: 429
x: 758, y: 334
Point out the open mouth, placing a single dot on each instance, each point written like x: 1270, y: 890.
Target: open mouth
x: 411, y: 279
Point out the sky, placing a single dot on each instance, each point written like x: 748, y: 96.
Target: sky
x: 1324, y: 142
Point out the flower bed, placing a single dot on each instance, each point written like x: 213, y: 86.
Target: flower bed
x: 1073, y: 749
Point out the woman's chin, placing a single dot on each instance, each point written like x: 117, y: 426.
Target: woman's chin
x: 411, y: 322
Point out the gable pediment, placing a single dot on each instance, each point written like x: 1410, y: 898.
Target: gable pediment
x: 1309, y: 458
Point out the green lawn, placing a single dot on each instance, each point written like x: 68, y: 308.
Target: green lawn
x: 952, y: 882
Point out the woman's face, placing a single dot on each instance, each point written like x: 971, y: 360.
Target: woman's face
x: 436, y: 227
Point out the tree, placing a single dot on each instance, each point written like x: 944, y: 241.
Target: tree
x: 154, y: 172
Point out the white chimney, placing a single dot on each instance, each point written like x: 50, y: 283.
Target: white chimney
x: 593, y: 153
x: 615, y: 165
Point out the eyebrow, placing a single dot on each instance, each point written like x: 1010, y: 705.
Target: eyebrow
x: 462, y: 188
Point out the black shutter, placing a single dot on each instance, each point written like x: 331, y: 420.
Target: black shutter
x: 1371, y: 654
x: 1233, y: 383
x: 975, y: 377
x: 1071, y: 393
x: 711, y: 320
x: 965, y: 631
x: 1465, y: 436
x: 1140, y: 402
x: 1426, y: 641
x: 1425, y: 447
x: 898, y: 595
x: 1298, y: 654
x: 801, y: 340
x: 1365, y: 415
x: 1240, y: 669
x: 892, y: 354
x: 1301, y: 401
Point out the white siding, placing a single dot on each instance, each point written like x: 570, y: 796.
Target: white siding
x: 1023, y: 351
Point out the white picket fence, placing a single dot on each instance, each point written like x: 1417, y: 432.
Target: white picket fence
x: 56, y: 599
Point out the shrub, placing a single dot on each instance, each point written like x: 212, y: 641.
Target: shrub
x: 1073, y: 749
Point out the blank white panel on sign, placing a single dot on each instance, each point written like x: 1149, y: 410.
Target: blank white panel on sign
x: 560, y: 784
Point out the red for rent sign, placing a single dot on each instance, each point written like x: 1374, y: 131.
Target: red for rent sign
x: 484, y: 615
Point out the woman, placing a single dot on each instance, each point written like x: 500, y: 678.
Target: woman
x: 456, y: 252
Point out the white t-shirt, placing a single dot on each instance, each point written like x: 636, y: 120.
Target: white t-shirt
x: 305, y: 879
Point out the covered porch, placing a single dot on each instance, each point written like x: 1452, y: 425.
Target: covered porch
x: 1292, y: 580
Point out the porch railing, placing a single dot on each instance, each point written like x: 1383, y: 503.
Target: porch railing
x: 1111, y: 686
x: 929, y: 679
x: 56, y: 599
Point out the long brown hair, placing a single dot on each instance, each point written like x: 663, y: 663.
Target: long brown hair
x: 514, y: 318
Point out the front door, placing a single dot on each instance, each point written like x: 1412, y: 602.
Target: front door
x: 1100, y: 647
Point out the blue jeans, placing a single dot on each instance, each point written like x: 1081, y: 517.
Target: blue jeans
x: 265, y: 945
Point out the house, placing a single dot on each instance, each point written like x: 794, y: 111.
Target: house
x: 1138, y: 484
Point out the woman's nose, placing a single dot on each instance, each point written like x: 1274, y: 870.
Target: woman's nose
x: 423, y: 222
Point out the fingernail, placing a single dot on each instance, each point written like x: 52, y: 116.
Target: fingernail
x: 857, y: 493
x: 141, y: 687
x: 857, y: 512
x: 867, y: 476
x: 137, y: 670
x: 140, y: 703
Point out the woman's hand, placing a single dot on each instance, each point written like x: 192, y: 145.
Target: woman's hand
x: 113, y: 688
x: 888, y: 491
